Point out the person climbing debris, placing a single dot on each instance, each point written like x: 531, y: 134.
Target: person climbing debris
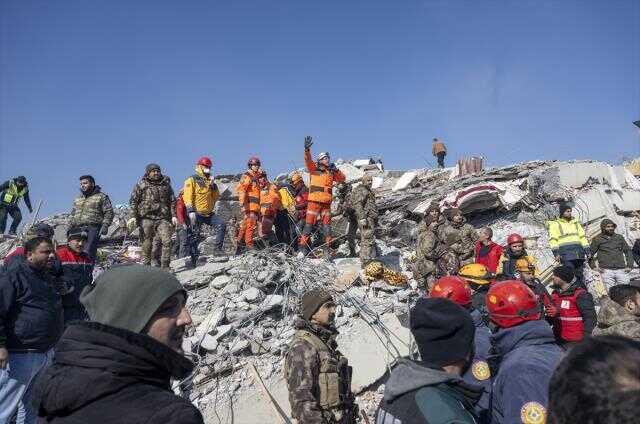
x: 11, y: 191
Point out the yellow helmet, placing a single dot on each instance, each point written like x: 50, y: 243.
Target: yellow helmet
x: 475, y: 273
x: 295, y: 177
x: 523, y: 265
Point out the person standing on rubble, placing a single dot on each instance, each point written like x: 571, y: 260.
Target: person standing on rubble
x: 270, y: 203
x: 249, y: 198
x: 459, y: 236
x: 487, y: 252
x: 200, y: 194
x: 301, y: 201
x: 153, y: 206
x: 117, y: 368
x: 613, y: 255
x: 429, y: 248
x: 93, y: 211
x: 345, y: 209
x: 323, y: 174
x: 363, y: 202
x: 318, y: 376
x: 568, y: 241
x: 511, y: 255
x: 11, y: 191
x: 77, y: 273
x: 439, y: 150
x: 525, y: 355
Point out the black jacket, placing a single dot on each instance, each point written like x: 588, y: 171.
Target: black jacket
x: 30, y: 309
x: 107, y: 375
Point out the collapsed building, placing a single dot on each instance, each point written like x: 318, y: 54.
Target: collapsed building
x: 243, y: 306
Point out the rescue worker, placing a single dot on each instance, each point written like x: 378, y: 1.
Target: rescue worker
x: 526, y: 354
x: 526, y: 274
x: 270, y: 203
x: 345, y: 209
x: 91, y: 210
x: 323, y: 174
x: 620, y: 313
x: 153, y: 206
x: 459, y: 236
x: 576, y: 312
x: 182, y: 228
x: 479, y: 279
x: 487, y: 251
x: 515, y: 250
x: 363, y: 202
x: 429, y: 248
x: 568, y: 241
x: 301, y: 201
x: 200, y: 194
x: 458, y: 291
x: 249, y: 197
x: 11, y: 191
x: 282, y: 222
x: 613, y: 255
x: 439, y: 150
x: 77, y: 273
x: 318, y: 375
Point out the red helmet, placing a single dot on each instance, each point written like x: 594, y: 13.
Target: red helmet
x: 453, y: 288
x: 511, y: 303
x: 204, y: 161
x: 253, y: 160
x: 514, y: 238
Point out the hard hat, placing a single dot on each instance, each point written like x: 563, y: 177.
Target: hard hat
x: 296, y: 177
x: 453, y: 288
x: 523, y: 265
x: 475, y: 273
x: 514, y: 238
x: 204, y: 161
x: 253, y: 160
x: 511, y: 302
x: 322, y: 155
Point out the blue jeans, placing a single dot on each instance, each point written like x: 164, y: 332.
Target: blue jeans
x: 219, y: 226
x: 16, y: 385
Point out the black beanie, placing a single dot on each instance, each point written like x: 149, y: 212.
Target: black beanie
x: 564, y: 272
x: 312, y: 301
x: 444, y: 331
x: 563, y: 207
x: 151, y: 167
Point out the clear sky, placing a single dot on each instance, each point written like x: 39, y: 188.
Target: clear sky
x: 105, y: 87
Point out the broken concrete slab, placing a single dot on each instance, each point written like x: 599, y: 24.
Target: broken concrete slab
x: 220, y: 281
x: 407, y: 180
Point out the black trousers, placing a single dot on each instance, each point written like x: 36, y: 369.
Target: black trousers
x: 16, y: 217
x: 441, y: 156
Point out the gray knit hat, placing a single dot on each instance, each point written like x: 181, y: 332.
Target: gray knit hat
x: 127, y: 296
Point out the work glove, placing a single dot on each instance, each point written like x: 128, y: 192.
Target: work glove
x: 332, y: 167
x: 174, y: 221
x: 192, y: 218
x: 307, y: 142
x: 104, y: 230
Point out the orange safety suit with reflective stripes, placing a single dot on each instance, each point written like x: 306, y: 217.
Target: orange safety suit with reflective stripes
x: 249, y: 197
x: 270, y: 203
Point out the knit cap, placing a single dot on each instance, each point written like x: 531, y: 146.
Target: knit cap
x: 312, y: 300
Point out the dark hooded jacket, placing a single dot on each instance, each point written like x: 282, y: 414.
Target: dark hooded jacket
x: 107, y: 375
x: 417, y: 393
x: 611, y: 251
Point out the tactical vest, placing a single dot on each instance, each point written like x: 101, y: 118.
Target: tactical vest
x: 13, y: 194
x: 569, y: 325
x: 321, y: 186
x: 332, y: 387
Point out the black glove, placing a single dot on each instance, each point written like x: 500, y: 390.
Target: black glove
x: 332, y: 167
x: 307, y: 142
x: 104, y: 230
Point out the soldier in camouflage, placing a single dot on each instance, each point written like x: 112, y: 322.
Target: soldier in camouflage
x: 346, y: 210
x: 459, y: 236
x: 620, y: 313
x: 317, y: 375
x: 429, y: 249
x: 153, y: 206
x: 363, y: 202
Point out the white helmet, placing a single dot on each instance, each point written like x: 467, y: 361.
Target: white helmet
x: 322, y: 155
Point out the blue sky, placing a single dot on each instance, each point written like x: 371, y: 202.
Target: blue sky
x: 105, y: 87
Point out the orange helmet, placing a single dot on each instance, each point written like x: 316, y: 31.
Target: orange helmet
x: 295, y: 178
x: 511, y: 303
x: 453, y: 288
x: 523, y: 265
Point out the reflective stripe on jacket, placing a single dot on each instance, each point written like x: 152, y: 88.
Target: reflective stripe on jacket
x: 565, y: 233
x: 12, y: 194
x: 569, y: 325
x: 200, y: 193
x: 249, y: 192
x: 269, y: 200
x: 321, y: 180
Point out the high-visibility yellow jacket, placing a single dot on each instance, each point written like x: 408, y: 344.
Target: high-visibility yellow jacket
x: 288, y: 201
x: 507, y: 265
x: 567, y: 238
x: 200, y: 193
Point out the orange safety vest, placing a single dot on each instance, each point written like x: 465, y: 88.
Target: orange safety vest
x: 249, y: 192
x: 269, y: 200
x: 321, y: 181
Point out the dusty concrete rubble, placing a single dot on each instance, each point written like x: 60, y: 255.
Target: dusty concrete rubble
x: 243, y: 307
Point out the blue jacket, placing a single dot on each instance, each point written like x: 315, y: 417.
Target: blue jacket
x: 479, y: 373
x: 528, y: 355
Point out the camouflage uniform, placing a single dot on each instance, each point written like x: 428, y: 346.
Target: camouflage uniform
x: 92, y: 209
x: 615, y: 319
x: 428, y: 251
x: 363, y: 202
x: 346, y: 210
x: 318, y: 377
x: 153, y: 204
x: 460, y: 239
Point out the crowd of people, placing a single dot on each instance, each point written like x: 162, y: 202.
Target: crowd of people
x: 493, y: 343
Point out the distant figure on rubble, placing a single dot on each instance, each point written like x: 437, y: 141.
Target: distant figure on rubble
x: 511, y: 255
x: 487, y: 252
x: 249, y: 198
x: 613, y: 255
x: 91, y: 210
x: 270, y: 203
x: 117, y: 367
x: 568, y: 241
x: 432, y: 390
x: 153, y: 206
x: 620, y: 313
x: 317, y: 375
x: 439, y: 150
x: 429, y: 249
x: 363, y: 202
x: 200, y: 195
x: 459, y: 236
x: 77, y: 273
x: 11, y: 191
x: 323, y: 174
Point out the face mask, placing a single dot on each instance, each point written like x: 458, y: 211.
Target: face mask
x: 206, y: 171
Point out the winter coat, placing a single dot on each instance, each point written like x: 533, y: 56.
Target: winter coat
x: 614, y: 319
x: 77, y: 272
x: 429, y: 249
x: 438, y: 147
x: 363, y: 202
x: 30, y: 309
x: 107, y: 375
x: 584, y: 307
x: 417, y: 393
x: 153, y: 199
x: 507, y: 264
x: 92, y: 208
x: 200, y: 193
x: 479, y: 373
x: 611, y: 252
x: 567, y: 239
x: 461, y: 239
x: 10, y: 194
x: 527, y: 356
x: 488, y: 256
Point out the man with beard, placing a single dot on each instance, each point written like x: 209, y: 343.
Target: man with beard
x: 30, y: 324
x: 459, y: 236
x: 318, y: 376
x: 507, y: 269
x: 77, y: 273
x: 429, y: 249
x: 117, y: 367
x: 568, y: 241
x: 613, y: 255
x: 620, y: 313
x: 153, y: 206
x: 93, y: 211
